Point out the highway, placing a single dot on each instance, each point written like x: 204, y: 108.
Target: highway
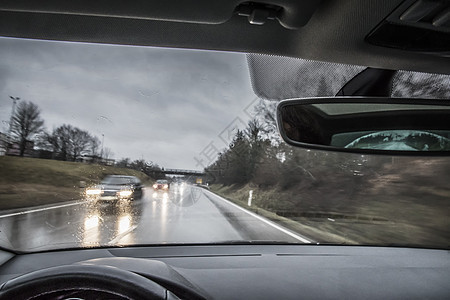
x: 184, y: 214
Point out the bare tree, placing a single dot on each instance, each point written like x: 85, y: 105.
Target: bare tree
x: 68, y: 142
x: 60, y: 140
x: 107, y: 153
x: 253, y: 131
x: 80, y: 141
x: 266, y: 112
x: 94, y: 146
x: 26, y: 122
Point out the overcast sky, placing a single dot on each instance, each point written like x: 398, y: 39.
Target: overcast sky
x: 163, y: 105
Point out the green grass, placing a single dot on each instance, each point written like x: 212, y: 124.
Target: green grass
x: 26, y: 182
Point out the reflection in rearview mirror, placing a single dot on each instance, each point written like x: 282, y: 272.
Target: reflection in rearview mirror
x: 361, y: 125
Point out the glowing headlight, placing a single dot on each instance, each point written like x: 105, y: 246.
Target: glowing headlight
x: 93, y: 192
x: 125, y: 193
x: 166, y: 186
x: 155, y: 186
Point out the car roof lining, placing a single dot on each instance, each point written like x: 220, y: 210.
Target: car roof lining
x: 335, y: 32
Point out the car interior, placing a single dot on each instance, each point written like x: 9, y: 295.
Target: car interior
x: 381, y: 36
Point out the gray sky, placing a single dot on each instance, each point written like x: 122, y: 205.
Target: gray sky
x: 163, y: 105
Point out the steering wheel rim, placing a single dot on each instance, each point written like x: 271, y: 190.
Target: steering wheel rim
x: 82, y: 277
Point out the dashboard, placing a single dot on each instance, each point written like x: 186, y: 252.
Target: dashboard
x: 231, y: 272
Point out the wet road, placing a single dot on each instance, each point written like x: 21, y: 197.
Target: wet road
x: 185, y: 214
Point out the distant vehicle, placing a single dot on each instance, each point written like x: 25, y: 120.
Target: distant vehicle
x: 116, y: 187
x: 161, y: 185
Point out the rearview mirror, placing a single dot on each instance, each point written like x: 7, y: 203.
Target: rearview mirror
x: 367, y: 125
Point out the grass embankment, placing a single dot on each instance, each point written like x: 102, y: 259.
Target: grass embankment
x: 239, y: 195
x: 406, y: 203
x: 26, y: 182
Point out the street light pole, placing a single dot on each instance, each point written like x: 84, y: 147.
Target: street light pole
x: 14, y: 99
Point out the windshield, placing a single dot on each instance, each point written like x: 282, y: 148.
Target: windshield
x: 74, y: 114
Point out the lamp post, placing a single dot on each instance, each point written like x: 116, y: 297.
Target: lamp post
x: 14, y: 99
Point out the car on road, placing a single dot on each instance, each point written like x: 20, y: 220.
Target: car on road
x: 161, y: 185
x: 116, y: 187
x: 322, y: 128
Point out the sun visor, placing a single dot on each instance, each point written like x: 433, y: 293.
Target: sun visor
x: 279, y: 78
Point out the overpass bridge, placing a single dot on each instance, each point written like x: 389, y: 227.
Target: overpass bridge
x: 182, y: 172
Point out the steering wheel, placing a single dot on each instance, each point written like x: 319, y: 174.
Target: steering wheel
x: 82, y: 282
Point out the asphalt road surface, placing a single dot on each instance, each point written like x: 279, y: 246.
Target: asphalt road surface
x: 185, y: 214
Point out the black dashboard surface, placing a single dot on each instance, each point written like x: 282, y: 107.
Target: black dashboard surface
x: 266, y: 271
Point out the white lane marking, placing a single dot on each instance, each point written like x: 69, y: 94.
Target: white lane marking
x: 39, y: 209
x: 296, y: 236
x: 120, y: 236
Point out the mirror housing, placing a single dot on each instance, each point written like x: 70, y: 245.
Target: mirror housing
x: 367, y: 125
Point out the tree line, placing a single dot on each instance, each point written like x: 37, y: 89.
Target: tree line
x: 65, y: 142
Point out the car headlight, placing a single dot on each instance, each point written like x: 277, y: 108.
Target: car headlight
x: 155, y: 186
x: 92, y: 192
x: 166, y: 186
x: 125, y: 193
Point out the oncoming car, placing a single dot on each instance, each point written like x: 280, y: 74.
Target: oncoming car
x: 116, y: 187
x: 161, y: 184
